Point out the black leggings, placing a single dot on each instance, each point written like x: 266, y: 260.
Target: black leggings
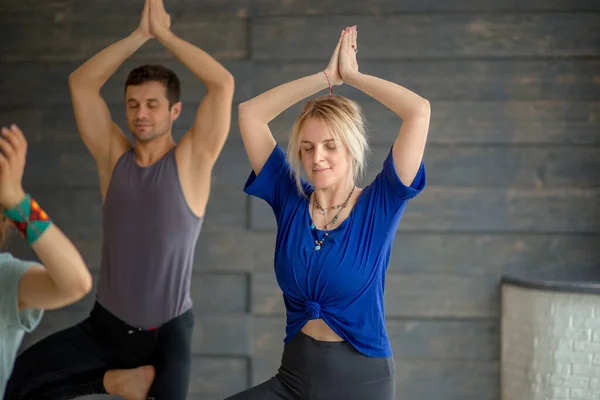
x: 72, y: 362
x: 315, y: 370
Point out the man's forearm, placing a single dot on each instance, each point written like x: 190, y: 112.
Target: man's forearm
x: 97, y: 70
x: 204, y: 66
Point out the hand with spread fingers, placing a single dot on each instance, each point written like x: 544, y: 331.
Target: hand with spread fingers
x: 160, y: 20
x: 13, y: 149
x: 348, y: 65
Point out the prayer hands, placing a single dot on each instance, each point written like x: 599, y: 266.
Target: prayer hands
x: 144, y: 27
x: 332, y: 70
x: 348, y: 64
x: 159, y: 19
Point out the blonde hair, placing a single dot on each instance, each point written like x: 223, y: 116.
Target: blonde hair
x: 344, y: 119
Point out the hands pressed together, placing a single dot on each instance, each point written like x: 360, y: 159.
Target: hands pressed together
x: 343, y: 64
x: 155, y: 20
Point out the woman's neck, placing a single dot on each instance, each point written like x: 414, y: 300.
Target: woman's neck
x: 334, y: 195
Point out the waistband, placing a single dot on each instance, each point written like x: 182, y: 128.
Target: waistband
x: 333, y: 361
x: 112, y: 322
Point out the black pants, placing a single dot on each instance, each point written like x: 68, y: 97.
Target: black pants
x: 72, y: 362
x: 315, y: 370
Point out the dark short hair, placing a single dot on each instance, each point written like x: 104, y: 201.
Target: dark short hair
x: 156, y: 73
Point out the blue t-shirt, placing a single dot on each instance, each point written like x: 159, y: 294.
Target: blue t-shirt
x: 13, y: 323
x: 343, y: 282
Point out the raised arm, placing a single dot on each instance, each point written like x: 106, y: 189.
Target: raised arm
x: 64, y: 278
x: 205, y: 139
x: 101, y: 135
x: 254, y: 115
x: 413, y: 109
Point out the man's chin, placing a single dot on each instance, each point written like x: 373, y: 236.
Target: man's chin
x: 143, y: 137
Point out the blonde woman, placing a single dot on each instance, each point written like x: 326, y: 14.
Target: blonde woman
x: 28, y: 288
x: 333, y: 238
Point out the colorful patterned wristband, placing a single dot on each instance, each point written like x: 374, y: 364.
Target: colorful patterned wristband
x: 29, y: 218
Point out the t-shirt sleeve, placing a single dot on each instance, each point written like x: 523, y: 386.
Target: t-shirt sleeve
x: 11, y: 271
x: 390, y: 190
x: 275, y: 182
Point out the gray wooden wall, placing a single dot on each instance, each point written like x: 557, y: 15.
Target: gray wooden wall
x: 513, y: 162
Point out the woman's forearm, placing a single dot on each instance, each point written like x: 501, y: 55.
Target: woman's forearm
x: 400, y: 100
x: 270, y: 104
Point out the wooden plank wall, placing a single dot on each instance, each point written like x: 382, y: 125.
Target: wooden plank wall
x: 513, y: 162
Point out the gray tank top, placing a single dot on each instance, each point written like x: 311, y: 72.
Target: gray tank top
x: 149, y: 239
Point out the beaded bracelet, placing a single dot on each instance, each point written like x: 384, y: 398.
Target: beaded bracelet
x: 329, y: 82
x: 29, y: 218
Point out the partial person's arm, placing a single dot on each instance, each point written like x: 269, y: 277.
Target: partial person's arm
x: 205, y: 139
x: 104, y: 139
x: 198, y: 150
x: 64, y: 279
x: 254, y: 115
x: 413, y: 109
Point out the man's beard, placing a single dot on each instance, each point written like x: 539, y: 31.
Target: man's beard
x: 147, y: 137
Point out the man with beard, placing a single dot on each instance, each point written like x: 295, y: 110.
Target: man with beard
x: 154, y: 198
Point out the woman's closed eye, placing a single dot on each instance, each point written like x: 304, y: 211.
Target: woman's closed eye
x: 329, y: 146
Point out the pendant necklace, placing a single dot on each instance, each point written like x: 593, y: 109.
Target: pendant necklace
x: 339, y: 207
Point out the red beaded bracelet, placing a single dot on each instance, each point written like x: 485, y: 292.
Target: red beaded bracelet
x: 329, y: 82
